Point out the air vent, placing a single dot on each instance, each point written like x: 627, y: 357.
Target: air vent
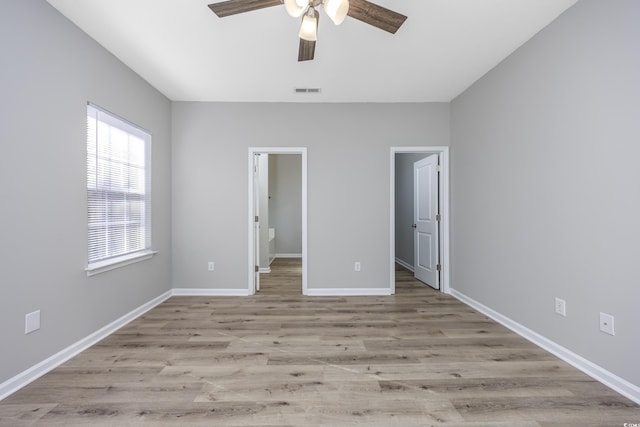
x: 307, y: 90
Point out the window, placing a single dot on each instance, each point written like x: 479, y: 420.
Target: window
x: 118, y: 191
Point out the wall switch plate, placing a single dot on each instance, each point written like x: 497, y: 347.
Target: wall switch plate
x: 357, y: 266
x: 561, y: 307
x: 606, y: 323
x: 211, y: 266
x: 32, y: 322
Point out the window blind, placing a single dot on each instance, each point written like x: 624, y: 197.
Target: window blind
x: 118, y: 187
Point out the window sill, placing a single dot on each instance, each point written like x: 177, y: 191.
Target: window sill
x: 112, y: 264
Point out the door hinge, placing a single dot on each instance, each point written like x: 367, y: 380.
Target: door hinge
x: 438, y: 217
x: 438, y: 267
x: 257, y: 219
x: 257, y: 268
x: 438, y: 168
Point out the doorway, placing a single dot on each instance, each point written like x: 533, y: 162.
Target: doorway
x: 400, y: 231
x: 257, y: 202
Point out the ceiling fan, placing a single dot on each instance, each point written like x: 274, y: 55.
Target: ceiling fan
x: 337, y: 10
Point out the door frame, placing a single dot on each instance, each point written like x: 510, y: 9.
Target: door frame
x: 302, y: 151
x: 443, y: 190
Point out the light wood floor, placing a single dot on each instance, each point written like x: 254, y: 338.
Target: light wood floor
x: 417, y: 358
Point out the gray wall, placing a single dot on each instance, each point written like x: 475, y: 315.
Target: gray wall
x: 285, y: 205
x: 348, y: 189
x: 50, y: 69
x: 545, y: 184
x: 404, y: 205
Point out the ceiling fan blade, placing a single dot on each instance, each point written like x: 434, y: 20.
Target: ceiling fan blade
x: 232, y: 7
x: 306, y: 51
x: 375, y: 15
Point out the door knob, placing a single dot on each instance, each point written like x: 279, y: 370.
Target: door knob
x: 413, y: 226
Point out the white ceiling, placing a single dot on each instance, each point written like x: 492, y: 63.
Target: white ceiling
x: 189, y: 54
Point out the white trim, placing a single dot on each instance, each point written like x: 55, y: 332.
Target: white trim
x: 288, y: 255
x: 331, y: 292
x: 302, y: 151
x: 22, y: 379
x: 443, y: 151
x: 600, y: 374
x: 209, y: 292
x: 264, y: 270
x: 405, y: 265
x: 112, y: 119
x: 111, y: 264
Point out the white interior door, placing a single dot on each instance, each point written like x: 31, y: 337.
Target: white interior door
x: 425, y: 235
x: 256, y: 222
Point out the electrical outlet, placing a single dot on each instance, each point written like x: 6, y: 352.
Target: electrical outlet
x: 357, y: 266
x: 211, y: 266
x: 32, y: 322
x: 606, y: 323
x: 561, y: 307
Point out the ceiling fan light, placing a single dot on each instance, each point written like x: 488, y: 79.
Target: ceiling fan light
x: 295, y: 8
x: 309, y: 27
x: 336, y: 10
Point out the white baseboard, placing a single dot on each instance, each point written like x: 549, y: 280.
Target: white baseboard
x: 333, y: 292
x: 182, y: 292
x: 405, y: 265
x: 607, y: 378
x: 288, y: 255
x: 264, y: 270
x: 22, y: 379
